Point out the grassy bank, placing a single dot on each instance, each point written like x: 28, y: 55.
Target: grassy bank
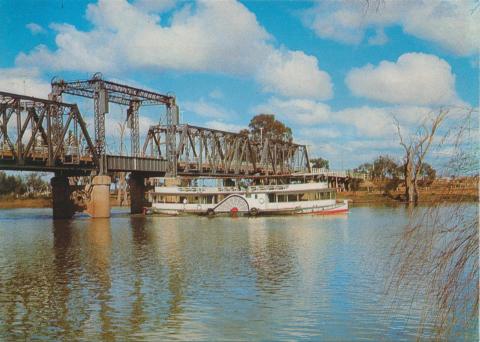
x: 12, y: 202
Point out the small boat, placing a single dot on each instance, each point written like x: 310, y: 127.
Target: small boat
x: 288, y: 199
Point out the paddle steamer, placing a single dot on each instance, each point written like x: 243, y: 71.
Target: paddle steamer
x: 288, y: 199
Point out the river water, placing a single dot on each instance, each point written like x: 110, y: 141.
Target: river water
x: 190, y: 278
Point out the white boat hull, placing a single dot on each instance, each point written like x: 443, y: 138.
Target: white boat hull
x: 335, y: 208
x: 291, y: 199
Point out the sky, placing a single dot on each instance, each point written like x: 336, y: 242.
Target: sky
x: 336, y: 72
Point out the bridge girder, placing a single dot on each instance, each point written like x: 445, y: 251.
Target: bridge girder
x: 43, y: 134
x: 104, y: 92
x: 204, y: 151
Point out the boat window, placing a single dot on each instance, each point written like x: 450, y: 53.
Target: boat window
x: 192, y: 199
x: 255, y: 196
x: 303, y: 197
x: 281, y: 198
x: 271, y: 198
x: 292, y: 198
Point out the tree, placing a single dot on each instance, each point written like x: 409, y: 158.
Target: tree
x: 439, y: 246
x: 266, y: 126
x: 416, y: 148
x: 245, y: 132
x: 11, y: 184
x: 427, y: 174
x: 35, y: 184
x: 366, y: 168
x: 384, y: 167
x: 320, y: 163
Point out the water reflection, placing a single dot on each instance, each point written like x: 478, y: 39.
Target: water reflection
x: 272, y: 256
x: 150, y: 278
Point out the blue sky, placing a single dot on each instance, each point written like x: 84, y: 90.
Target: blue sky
x: 334, y: 71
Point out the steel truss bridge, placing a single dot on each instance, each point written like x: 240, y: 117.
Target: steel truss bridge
x: 51, y: 135
x: 205, y: 152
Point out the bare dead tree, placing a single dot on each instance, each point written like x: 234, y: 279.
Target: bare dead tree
x: 416, y: 148
x: 436, y: 258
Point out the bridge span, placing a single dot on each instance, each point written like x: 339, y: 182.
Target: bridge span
x: 50, y: 135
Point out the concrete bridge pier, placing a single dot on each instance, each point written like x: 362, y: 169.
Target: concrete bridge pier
x: 98, y: 205
x: 63, y: 206
x: 137, y: 193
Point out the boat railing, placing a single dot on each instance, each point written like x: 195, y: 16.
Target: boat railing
x: 196, y: 189
x: 267, y: 187
x: 232, y: 189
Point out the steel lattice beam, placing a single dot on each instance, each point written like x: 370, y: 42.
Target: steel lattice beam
x: 204, y: 151
x: 42, y: 133
x: 106, y: 91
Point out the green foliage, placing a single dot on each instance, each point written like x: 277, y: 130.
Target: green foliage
x: 11, y: 184
x: 267, y: 126
x: 31, y: 184
x: 35, y: 184
x: 384, y: 167
x: 366, y: 168
x: 428, y: 173
x: 320, y: 163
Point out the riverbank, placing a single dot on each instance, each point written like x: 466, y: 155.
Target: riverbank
x: 9, y: 202
x: 355, y: 197
x: 364, y: 197
x: 37, y: 202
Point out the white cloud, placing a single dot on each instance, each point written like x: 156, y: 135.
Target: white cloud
x: 313, y: 118
x: 415, y: 78
x: 323, y: 133
x: 35, y: 28
x: 368, y: 121
x: 454, y: 25
x: 353, y: 135
x: 375, y: 122
x: 299, y: 111
x: 295, y: 74
x: 207, y: 109
x: 204, y: 37
x: 223, y: 126
x: 24, y: 81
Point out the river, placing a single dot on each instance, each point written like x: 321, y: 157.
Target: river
x: 190, y: 278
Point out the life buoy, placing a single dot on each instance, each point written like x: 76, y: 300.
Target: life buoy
x: 234, y: 212
x: 253, y: 212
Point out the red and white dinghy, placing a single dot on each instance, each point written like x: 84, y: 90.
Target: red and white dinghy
x: 288, y: 199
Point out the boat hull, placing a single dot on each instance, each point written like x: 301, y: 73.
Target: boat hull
x: 329, y: 210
